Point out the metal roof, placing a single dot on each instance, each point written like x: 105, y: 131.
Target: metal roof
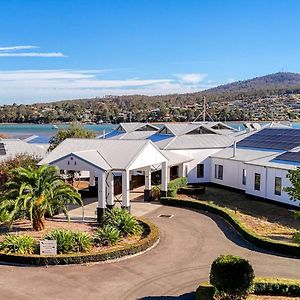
x: 175, y: 159
x: 14, y: 147
x: 133, y: 126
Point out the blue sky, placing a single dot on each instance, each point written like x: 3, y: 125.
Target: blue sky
x: 51, y: 50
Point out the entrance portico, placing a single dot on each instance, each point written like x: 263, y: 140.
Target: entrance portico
x: 103, y: 158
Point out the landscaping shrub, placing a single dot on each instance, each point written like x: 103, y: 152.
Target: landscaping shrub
x: 296, y: 237
x: 122, y: 220
x: 21, y: 244
x: 205, y: 291
x: 69, y: 241
x: 107, y: 235
x: 232, y: 277
x: 4, y: 216
x: 175, y: 185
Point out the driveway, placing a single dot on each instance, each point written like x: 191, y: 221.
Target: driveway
x: 190, y: 241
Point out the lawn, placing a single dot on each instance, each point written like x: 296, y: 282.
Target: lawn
x: 264, y: 218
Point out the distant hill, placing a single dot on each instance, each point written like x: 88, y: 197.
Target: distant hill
x: 276, y: 81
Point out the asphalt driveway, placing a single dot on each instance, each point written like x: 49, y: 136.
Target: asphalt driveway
x: 190, y: 241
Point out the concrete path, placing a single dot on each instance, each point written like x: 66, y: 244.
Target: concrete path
x: 190, y: 241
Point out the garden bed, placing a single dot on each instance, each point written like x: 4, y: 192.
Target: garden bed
x: 127, y: 246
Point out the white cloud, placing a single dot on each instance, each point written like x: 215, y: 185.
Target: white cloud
x: 192, y: 78
x: 33, y: 54
x: 12, y: 51
x: 15, y: 48
x: 27, y: 86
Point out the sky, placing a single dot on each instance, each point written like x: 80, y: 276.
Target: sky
x: 67, y: 49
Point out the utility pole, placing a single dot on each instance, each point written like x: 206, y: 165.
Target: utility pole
x: 204, y: 108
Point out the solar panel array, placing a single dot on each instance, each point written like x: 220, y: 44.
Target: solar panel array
x: 2, y: 149
x: 289, y: 156
x: 273, y: 138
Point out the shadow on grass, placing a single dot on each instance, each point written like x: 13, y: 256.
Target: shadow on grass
x: 187, y: 296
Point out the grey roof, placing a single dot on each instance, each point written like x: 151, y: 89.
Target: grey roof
x: 105, y: 153
x: 244, y: 155
x: 201, y: 141
x: 134, y: 135
x: 133, y: 126
x: 174, y: 158
x: 15, y: 147
x: 272, y: 163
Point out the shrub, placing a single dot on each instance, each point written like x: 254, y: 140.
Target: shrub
x: 232, y: 277
x: 155, y: 192
x: 107, y: 235
x: 175, y: 185
x: 69, y: 241
x: 205, y: 291
x: 4, y: 216
x: 122, y: 220
x: 296, y: 237
x: 22, y: 244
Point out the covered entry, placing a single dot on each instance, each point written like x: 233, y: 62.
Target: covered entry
x: 104, y: 158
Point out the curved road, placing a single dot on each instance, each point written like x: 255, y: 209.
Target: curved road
x: 190, y: 241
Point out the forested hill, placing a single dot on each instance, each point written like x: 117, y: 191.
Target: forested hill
x: 270, y: 97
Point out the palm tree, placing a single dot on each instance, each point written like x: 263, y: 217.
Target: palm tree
x: 35, y: 192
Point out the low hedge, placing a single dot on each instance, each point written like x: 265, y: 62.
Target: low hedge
x: 261, y: 286
x: 246, y: 232
x: 176, y: 184
x: 151, y: 233
x: 192, y: 190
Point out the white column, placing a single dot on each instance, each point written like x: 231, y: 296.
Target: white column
x: 92, y: 178
x: 164, y: 178
x: 148, y: 178
x: 110, y: 190
x: 181, y: 170
x: 101, y: 196
x: 125, y: 190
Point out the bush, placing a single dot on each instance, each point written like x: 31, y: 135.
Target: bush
x: 232, y: 277
x: 175, y: 185
x: 122, y: 220
x: 107, y: 235
x: 205, y: 291
x: 21, y: 244
x: 4, y: 216
x: 296, y: 237
x: 69, y: 241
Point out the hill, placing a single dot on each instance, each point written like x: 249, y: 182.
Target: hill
x: 271, y: 97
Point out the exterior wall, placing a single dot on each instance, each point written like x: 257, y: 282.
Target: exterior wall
x: 251, y: 170
x: 199, y: 156
x: 232, y: 173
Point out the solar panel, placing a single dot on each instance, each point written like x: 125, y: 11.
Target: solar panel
x: 273, y: 138
x: 289, y: 156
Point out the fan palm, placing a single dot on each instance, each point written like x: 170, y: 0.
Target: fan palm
x: 36, y: 192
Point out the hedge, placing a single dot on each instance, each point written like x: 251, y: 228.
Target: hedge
x: 246, y: 232
x: 151, y: 233
x: 261, y: 286
x: 176, y: 184
x: 191, y: 190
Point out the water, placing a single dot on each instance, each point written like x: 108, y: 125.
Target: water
x: 44, y: 132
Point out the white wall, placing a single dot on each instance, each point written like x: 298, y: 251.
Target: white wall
x: 199, y: 156
x: 251, y: 170
x: 232, y: 173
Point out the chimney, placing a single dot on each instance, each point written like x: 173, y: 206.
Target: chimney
x: 234, y: 149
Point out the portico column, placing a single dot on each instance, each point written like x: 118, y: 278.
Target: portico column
x: 125, y: 190
x: 164, y: 179
x: 110, y: 191
x: 92, y: 183
x: 147, y: 190
x: 101, y: 196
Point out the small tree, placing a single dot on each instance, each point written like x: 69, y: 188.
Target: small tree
x: 294, y: 190
x: 35, y: 192
x: 76, y: 130
x: 232, y: 277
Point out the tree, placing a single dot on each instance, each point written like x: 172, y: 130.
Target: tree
x: 76, y: 130
x: 35, y: 192
x: 293, y: 190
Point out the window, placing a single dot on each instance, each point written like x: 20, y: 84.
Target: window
x: 257, y: 182
x: 200, y: 170
x: 219, y: 172
x: 244, y: 177
x: 278, y: 186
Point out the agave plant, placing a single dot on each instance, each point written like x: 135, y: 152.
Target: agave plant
x: 36, y: 192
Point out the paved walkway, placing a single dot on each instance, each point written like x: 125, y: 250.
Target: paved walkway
x: 190, y: 241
